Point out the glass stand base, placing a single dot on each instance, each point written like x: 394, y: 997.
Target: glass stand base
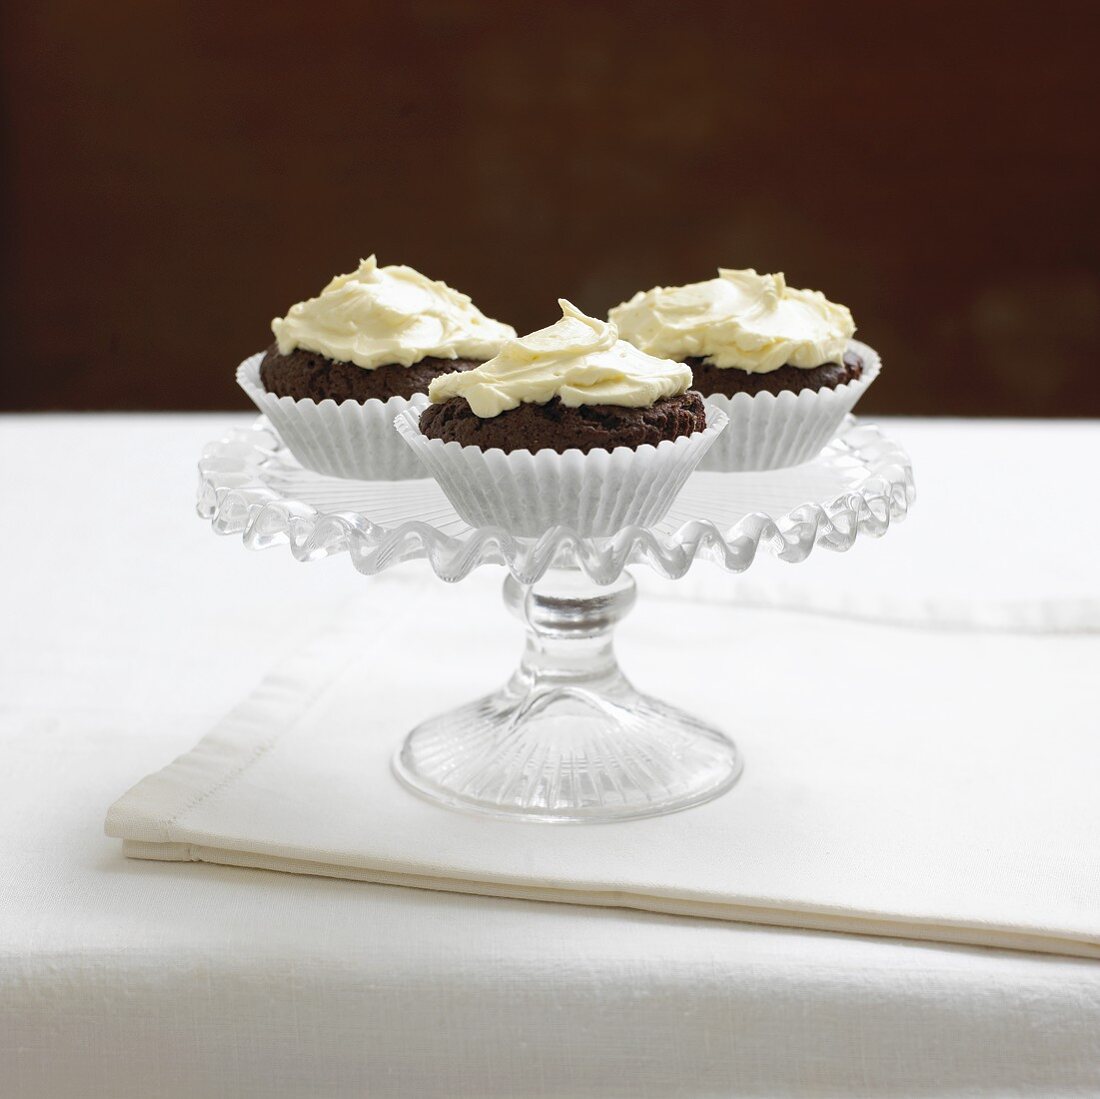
x: 568, y: 738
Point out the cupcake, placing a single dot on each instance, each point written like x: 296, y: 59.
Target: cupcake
x: 780, y: 362
x: 569, y: 426
x: 346, y: 362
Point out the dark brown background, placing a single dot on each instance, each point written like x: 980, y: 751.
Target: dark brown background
x: 178, y: 173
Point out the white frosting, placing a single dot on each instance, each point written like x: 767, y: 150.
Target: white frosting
x: 381, y: 315
x: 740, y: 319
x: 579, y: 359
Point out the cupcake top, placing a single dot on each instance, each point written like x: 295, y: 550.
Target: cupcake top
x: 741, y: 319
x: 382, y: 315
x: 580, y: 359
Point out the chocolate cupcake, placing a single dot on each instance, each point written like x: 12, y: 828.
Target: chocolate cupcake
x: 569, y: 426
x: 780, y: 362
x: 347, y: 361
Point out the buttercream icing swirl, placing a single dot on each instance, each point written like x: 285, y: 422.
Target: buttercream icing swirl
x: 381, y: 315
x: 740, y: 319
x: 579, y: 359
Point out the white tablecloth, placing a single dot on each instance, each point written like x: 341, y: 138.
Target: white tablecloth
x: 130, y: 629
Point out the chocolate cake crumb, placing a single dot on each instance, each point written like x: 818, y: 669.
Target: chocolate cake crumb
x: 307, y: 375
x: 729, y: 380
x: 555, y: 426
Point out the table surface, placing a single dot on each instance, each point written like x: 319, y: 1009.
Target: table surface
x: 130, y: 629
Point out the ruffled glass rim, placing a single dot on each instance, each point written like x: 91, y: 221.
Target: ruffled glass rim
x: 250, y: 485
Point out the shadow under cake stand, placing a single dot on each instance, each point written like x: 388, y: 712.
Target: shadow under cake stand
x: 568, y: 738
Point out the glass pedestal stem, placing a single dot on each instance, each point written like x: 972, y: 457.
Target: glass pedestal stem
x: 568, y: 738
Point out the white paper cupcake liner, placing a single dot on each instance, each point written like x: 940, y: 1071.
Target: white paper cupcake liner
x: 593, y: 494
x: 773, y: 431
x: 347, y: 439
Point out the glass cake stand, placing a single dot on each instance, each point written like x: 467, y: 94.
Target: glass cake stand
x: 568, y: 738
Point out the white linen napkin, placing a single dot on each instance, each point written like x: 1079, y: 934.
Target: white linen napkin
x: 914, y: 783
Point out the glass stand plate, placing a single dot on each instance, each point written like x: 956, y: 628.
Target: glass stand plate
x: 568, y: 738
x: 250, y: 484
